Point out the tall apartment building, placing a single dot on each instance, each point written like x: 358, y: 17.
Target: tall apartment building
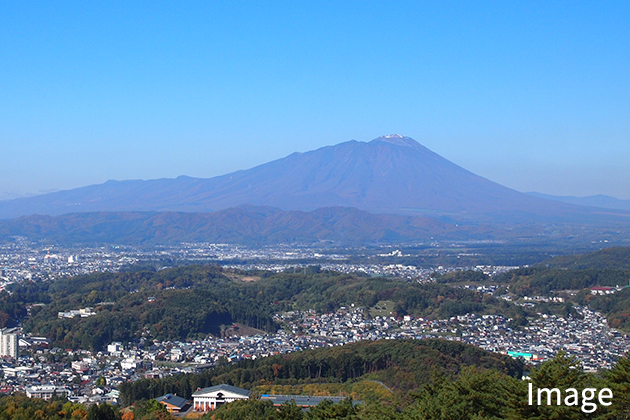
x: 9, y: 343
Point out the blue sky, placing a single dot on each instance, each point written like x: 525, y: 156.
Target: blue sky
x: 531, y: 95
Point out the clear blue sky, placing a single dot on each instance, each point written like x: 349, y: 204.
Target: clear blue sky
x: 531, y: 95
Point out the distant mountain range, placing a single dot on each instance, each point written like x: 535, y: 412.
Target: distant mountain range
x: 391, y: 174
x: 245, y: 225
x: 602, y: 201
x: 255, y: 226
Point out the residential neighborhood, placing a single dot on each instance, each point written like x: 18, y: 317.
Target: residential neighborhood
x: 39, y: 370
x: 85, y: 376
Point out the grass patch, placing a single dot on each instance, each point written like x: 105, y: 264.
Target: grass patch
x: 382, y: 308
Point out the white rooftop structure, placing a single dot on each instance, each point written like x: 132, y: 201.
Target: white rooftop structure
x: 208, y: 399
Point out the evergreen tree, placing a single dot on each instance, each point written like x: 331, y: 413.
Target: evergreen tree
x: 289, y: 411
x: 102, y: 412
x: 475, y: 394
x: 618, y: 380
x: 561, y: 372
x: 329, y: 410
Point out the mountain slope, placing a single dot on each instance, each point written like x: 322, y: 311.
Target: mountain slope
x: 615, y: 258
x: 391, y: 174
x: 245, y: 225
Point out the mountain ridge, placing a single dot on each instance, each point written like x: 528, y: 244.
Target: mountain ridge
x: 245, y: 225
x: 598, y: 200
x: 391, y: 174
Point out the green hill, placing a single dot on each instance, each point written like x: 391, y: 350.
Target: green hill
x: 194, y: 301
x: 617, y: 258
x: 400, y: 365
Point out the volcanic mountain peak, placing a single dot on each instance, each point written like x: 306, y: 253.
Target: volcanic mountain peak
x: 390, y: 174
x: 398, y: 140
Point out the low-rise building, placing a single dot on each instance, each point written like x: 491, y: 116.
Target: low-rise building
x: 45, y: 392
x: 208, y: 399
x: 172, y: 402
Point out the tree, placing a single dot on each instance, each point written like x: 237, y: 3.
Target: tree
x: 128, y: 416
x: 244, y: 410
x: 102, y: 412
x: 377, y: 412
x: 475, y: 394
x: 618, y: 380
x: 289, y: 411
x: 146, y: 407
x: 329, y: 410
x: 562, y: 372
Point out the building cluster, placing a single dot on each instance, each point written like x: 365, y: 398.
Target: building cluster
x: 483, y: 288
x: 21, y: 260
x: 82, y: 313
x: 92, y: 377
x: 409, y: 272
x: 86, y: 376
x: 346, y: 324
x: 598, y: 290
x: 585, y: 335
x: 44, y: 373
x: 556, y: 299
x: 210, y: 398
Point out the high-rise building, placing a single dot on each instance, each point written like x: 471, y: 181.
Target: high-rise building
x: 9, y: 343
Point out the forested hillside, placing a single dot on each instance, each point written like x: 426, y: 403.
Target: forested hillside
x: 191, y: 302
x: 473, y: 394
x: 569, y: 277
x: 616, y: 258
x: 401, y: 365
x: 448, y: 381
x: 542, y: 280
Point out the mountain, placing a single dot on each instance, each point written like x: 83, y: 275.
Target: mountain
x: 602, y: 201
x: 245, y: 225
x: 391, y: 174
x: 259, y: 225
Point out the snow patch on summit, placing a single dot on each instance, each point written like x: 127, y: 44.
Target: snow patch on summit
x: 398, y: 140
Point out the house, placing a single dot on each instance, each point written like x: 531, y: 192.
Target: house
x: 208, y: 399
x: 172, y: 402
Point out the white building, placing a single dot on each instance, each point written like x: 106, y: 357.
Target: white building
x: 208, y: 399
x: 45, y: 392
x: 130, y: 363
x: 114, y: 348
x: 79, y: 365
x: 9, y: 343
x: 83, y: 313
